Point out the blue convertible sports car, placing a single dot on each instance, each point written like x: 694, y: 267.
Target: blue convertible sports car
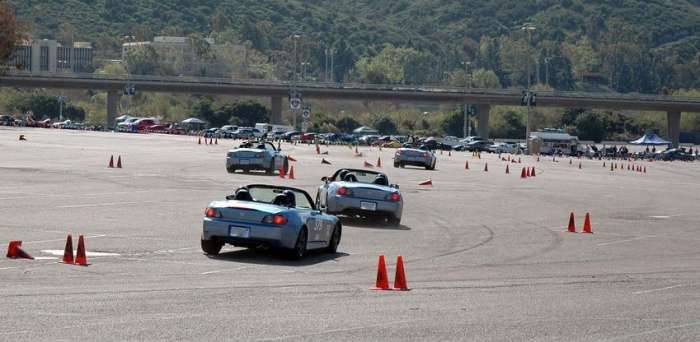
x: 361, y: 193
x: 271, y: 216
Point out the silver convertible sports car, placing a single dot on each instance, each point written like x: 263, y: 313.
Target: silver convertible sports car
x: 256, y: 156
x: 361, y: 193
x: 414, y: 157
x: 270, y: 216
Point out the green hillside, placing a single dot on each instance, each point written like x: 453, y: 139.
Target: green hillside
x: 626, y: 45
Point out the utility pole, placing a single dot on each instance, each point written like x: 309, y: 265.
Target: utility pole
x: 529, y: 28
x: 332, y: 71
x: 296, y: 77
x: 467, y: 129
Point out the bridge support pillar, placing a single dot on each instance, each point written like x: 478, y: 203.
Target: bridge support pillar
x: 276, y: 110
x: 483, y: 117
x: 674, y: 127
x: 112, y: 101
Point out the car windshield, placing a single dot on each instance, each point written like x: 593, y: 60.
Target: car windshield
x: 267, y: 194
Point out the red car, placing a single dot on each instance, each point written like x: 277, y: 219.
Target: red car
x: 307, y: 137
x: 143, y: 124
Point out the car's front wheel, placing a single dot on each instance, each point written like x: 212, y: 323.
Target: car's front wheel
x: 335, y: 239
x: 300, y: 246
x: 212, y: 247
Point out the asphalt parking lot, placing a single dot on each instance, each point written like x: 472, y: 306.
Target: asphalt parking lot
x: 487, y: 254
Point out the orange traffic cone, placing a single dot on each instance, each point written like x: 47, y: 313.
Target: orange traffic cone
x: 519, y: 161
x: 283, y: 172
x: 603, y: 164
x: 211, y: 141
x: 466, y: 165
x: 324, y: 161
x: 216, y: 141
x: 291, y: 159
x: 509, y: 157
x: 645, y: 169
x: 486, y: 167
x: 449, y: 153
x: 318, y: 149
x: 15, y: 251
x: 119, y: 162
x: 199, y: 140
x: 532, y: 173
x: 523, y: 174
x: 579, y: 165
x: 426, y: 182
x: 382, y: 282
x: 527, y: 172
x: 507, y: 169
x: 611, y: 166
x: 111, y: 162
x: 400, y: 278
x: 587, y: 224
x: 356, y: 151
x: 80, y: 256
x: 68, y: 253
x: 572, y: 225
x: 538, y: 158
x: 291, y: 172
x: 379, y: 162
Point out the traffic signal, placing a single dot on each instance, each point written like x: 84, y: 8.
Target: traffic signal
x: 130, y: 89
x: 528, y: 98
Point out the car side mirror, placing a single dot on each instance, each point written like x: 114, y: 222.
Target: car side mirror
x: 230, y: 197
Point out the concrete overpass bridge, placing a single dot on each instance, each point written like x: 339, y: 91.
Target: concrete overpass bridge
x: 278, y: 90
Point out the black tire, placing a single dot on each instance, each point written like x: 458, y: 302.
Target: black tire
x: 231, y: 169
x: 402, y: 165
x: 299, y: 249
x: 335, y: 239
x: 212, y: 247
x: 393, y: 221
x: 397, y: 164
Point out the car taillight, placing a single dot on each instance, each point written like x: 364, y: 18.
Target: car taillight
x: 276, y: 219
x: 211, y: 212
x: 343, y: 191
x: 395, y: 197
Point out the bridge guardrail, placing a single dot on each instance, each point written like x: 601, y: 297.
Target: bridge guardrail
x: 360, y: 86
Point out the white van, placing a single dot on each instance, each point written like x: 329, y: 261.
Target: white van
x: 272, y: 129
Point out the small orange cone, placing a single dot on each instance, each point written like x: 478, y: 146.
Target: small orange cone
x: 603, y: 164
x: 379, y: 162
x: 579, y: 165
x: 216, y: 142
x: 527, y: 172
x: 587, y: 224
x: 205, y: 141
x: 611, y: 166
x: 519, y: 161
x: 291, y: 172
x: 466, y: 165
x: 382, y: 282
x: 318, y: 149
x: 119, y: 162
x: 509, y: 157
x: 324, y: 161
x: 15, y: 251
x: 538, y: 158
x: 80, y: 257
x: 68, y: 252
x: 291, y: 159
x: 199, y: 140
x: 356, y: 151
x: 478, y: 155
x: 532, y: 173
x: 645, y: 169
x: 570, y: 161
x: 486, y: 167
x: 572, y: 225
x: 523, y: 174
x: 283, y: 172
x: 211, y: 141
x: 400, y: 278
x: 111, y: 162
x: 449, y: 153
x: 426, y: 182
x: 507, y: 169
x: 369, y: 165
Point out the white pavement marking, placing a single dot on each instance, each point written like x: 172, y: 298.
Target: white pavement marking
x: 627, y: 240
x: 659, y: 217
x: 59, y: 252
x: 654, y: 331
x: 8, y: 268
x: 659, y: 289
x: 45, y: 258
x: 211, y: 272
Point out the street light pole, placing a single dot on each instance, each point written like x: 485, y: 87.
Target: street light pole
x: 467, y: 129
x: 528, y: 28
x: 295, y: 78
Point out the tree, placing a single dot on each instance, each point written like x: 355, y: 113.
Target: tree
x: 250, y: 112
x: 453, y: 124
x: 347, y: 124
x: 590, y: 126
x: 482, y: 78
x: 143, y: 61
x: 11, y: 31
x: 385, y: 126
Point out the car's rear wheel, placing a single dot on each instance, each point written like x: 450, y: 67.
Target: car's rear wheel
x: 335, y: 239
x: 393, y: 221
x: 212, y: 247
x: 300, y: 246
x: 230, y: 169
x: 397, y: 164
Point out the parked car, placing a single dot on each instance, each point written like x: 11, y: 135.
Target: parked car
x: 256, y: 156
x: 246, y: 133
x: 478, y: 146
x: 227, y: 131
x: 126, y: 125
x: 142, y: 124
x: 6, y: 120
x: 676, y: 154
x: 414, y: 157
x: 504, y: 147
x: 268, y: 215
x: 307, y: 137
x: 212, y: 133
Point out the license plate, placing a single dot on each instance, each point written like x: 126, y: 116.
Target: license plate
x: 371, y: 206
x: 242, y: 232
x: 245, y: 161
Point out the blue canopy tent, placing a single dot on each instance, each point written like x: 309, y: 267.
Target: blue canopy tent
x: 650, y: 139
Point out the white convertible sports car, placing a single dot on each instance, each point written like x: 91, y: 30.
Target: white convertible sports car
x: 256, y: 156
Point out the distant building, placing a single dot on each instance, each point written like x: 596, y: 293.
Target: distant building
x: 41, y: 56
